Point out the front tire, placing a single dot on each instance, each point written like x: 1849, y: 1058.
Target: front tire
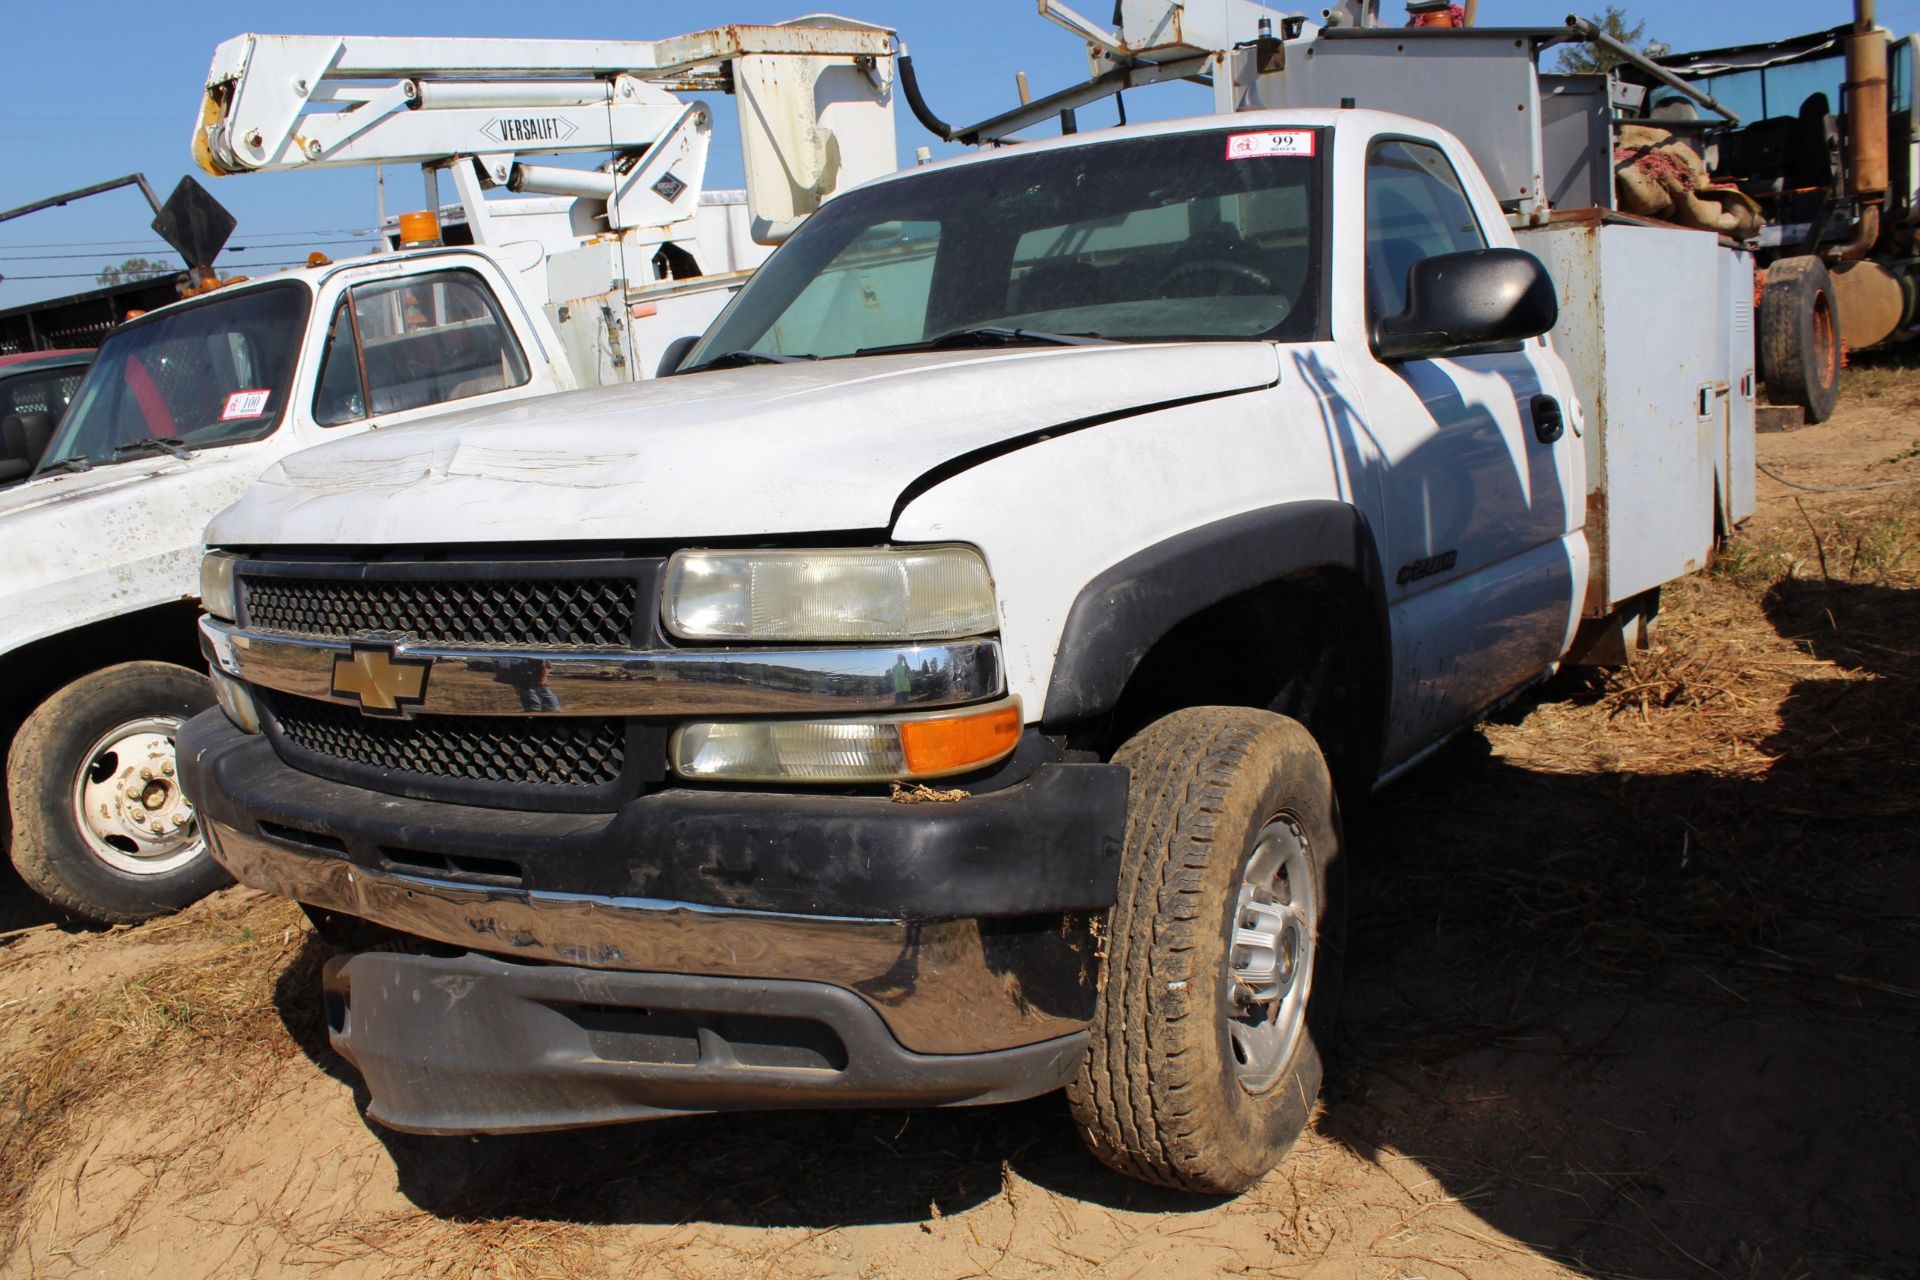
x: 100, y: 826
x: 1223, y: 954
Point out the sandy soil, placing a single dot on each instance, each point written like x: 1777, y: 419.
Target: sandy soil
x: 1635, y: 991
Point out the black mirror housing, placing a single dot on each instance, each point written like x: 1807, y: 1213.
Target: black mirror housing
x: 675, y: 355
x: 1459, y: 303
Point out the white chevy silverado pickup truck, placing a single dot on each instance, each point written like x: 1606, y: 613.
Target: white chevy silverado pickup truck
x: 943, y: 688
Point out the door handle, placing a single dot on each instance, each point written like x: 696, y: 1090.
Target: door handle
x: 1548, y: 422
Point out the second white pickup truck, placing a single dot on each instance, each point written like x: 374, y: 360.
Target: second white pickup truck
x: 583, y: 285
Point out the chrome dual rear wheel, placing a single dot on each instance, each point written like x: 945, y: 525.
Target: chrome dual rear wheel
x: 127, y: 801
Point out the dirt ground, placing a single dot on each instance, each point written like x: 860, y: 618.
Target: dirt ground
x: 1634, y: 991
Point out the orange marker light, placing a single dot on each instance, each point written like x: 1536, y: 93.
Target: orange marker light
x: 950, y: 745
x: 420, y: 227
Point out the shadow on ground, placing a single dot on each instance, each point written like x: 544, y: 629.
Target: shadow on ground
x: 1649, y: 1025
x: 1667, y: 1024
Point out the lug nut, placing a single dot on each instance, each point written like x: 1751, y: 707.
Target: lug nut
x: 147, y: 774
x: 133, y: 793
x: 167, y: 768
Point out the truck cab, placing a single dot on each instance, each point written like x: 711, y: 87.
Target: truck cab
x: 180, y: 410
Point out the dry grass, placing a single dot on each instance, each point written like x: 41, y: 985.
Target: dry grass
x: 209, y: 1002
x: 1880, y: 377
x: 431, y: 1248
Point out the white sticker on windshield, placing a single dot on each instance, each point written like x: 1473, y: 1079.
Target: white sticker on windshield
x: 1272, y: 142
x: 245, y: 404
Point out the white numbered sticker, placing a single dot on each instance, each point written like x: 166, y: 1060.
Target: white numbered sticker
x: 245, y: 404
x: 1271, y: 142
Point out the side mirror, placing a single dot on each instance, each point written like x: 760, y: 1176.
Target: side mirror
x: 1459, y: 303
x: 675, y: 353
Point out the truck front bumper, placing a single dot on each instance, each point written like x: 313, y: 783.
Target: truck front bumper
x: 472, y: 1044
x: 575, y: 1008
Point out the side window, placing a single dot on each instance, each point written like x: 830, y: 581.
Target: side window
x: 49, y: 393
x: 1415, y: 209
x: 422, y: 340
x: 341, y: 396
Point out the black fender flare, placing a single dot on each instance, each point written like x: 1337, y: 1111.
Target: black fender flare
x: 1120, y: 615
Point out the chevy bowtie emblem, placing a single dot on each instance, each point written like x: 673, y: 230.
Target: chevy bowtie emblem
x: 383, y: 683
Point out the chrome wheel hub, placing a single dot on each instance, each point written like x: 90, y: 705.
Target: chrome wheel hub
x: 127, y: 800
x: 1270, y: 960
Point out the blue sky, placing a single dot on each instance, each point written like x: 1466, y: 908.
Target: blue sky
x: 92, y: 89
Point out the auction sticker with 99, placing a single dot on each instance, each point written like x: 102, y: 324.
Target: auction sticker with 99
x: 1270, y: 142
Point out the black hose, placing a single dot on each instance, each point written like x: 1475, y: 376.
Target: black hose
x: 1850, y: 488
x: 910, y: 85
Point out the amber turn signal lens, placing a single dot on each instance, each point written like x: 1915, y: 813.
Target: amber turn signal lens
x: 927, y: 744
x: 420, y: 227
x: 950, y: 745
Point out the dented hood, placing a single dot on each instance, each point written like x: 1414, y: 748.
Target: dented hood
x: 808, y: 446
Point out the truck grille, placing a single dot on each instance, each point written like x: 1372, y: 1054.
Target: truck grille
x: 583, y: 613
x: 501, y: 749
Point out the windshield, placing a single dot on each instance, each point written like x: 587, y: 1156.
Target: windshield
x: 216, y: 372
x: 1754, y: 93
x: 1193, y: 235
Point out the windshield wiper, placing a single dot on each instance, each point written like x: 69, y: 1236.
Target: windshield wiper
x: 992, y: 335
x: 132, y: 449
x: 152, y: 444
x: 734, y: 359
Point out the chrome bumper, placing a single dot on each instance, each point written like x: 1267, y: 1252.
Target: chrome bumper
x: 705, y: 682
x: 930, y: 982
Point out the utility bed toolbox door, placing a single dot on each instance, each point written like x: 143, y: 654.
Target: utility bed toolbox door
x: 1648, y: 330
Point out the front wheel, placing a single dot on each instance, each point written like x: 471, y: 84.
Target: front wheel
x: 100, y: 826
x: 1224, y: 953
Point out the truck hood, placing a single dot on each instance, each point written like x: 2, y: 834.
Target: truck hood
x: 802, y: 447
x: 69, y: 486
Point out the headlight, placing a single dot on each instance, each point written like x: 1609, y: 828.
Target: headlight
x: 217, y: 595
x: 846, y: 593
x: 873, y: 749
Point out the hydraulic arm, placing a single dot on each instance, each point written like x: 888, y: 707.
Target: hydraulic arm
x: 815, y: 111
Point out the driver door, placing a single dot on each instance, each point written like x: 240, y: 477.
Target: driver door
x: 1474, y: 494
